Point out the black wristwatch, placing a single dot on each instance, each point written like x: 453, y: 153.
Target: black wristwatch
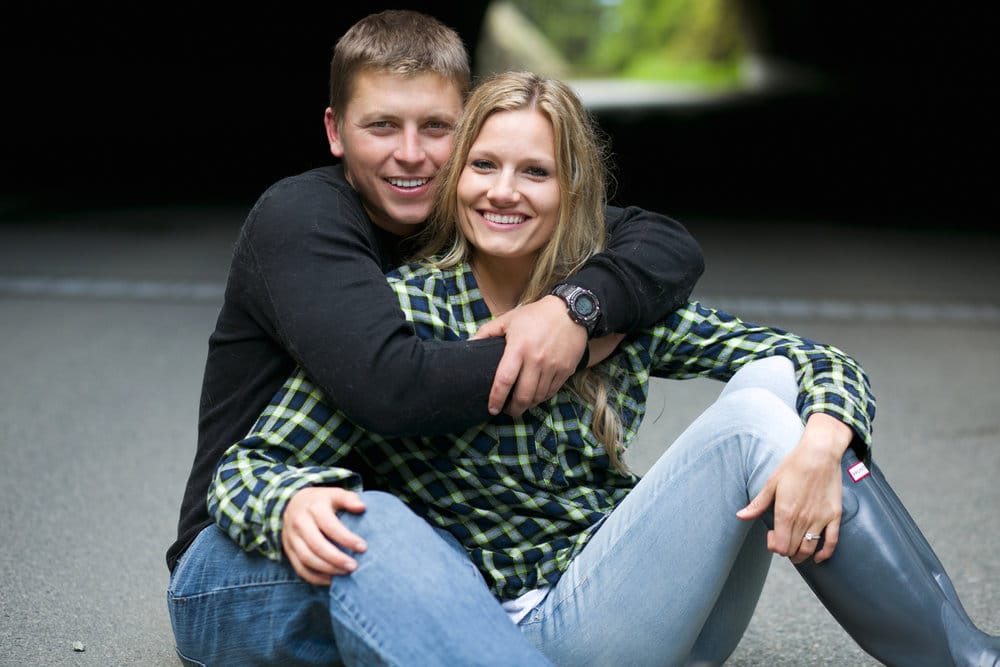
x: 584, y: 308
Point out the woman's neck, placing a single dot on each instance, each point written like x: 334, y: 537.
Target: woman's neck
x: 501, y: 281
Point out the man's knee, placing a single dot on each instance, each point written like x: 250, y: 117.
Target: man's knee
x: 383, y: 502
x: 400, y: 537
x: 214, y: 563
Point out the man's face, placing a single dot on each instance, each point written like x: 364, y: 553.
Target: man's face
x: 395, y: 134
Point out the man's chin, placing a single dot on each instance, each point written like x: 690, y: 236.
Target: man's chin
x: 411, y: 215
x: 401, y: 222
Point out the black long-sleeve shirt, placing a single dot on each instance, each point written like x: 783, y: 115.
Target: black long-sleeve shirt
x: 306, y: 287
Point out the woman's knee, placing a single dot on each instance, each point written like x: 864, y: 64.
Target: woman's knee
x: 758, y: 411
x: 774, y: 374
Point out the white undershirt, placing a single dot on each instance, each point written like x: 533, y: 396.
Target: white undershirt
x: 519, y: 607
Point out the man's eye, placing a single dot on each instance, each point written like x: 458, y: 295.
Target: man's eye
x: 380, y: 124
x: 438, y: 126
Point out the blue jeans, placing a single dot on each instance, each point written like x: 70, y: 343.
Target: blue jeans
x: 415, y: 599
x: 672, y: 576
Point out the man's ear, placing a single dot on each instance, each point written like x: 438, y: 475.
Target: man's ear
x: 333, y: 133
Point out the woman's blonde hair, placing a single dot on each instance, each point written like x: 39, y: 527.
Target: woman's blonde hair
x: 580, y: 229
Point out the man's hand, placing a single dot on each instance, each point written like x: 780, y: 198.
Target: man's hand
x: 805, y: 490
x: 544, y: 347
x: 310, y: 531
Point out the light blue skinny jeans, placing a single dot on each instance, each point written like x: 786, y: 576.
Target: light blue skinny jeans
x: 670, y: 578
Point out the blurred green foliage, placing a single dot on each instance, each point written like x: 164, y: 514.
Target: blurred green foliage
x: 690, y: 41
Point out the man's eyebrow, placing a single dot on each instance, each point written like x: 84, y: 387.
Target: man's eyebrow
x: 377, y: 114
x: 443, y: 115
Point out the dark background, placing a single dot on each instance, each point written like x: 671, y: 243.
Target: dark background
x: 167, y: 103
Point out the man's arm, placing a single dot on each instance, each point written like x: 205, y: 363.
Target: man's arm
x: 320, y: 270
x: 316, y: 265
x: 649, y: 268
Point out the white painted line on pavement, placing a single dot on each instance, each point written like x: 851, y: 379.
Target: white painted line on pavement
x: 747, y: 308
x: 88, y: 288
x: 852, y: 311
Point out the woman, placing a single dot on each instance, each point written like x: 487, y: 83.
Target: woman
x: 595, y: 565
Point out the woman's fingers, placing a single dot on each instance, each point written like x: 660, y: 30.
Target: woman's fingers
x: 312, y: 534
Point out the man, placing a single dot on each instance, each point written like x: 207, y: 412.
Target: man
x: 306, y: 288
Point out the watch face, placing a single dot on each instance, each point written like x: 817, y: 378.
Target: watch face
x: 584, y: 306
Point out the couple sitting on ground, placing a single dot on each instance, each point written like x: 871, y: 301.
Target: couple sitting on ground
x: 532, y: 516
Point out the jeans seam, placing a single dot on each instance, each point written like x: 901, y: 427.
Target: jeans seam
x: 187, y: 660
x: 223, y: 589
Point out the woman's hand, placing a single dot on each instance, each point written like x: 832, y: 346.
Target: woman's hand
x: 805, y: 491
x: 311, y: 531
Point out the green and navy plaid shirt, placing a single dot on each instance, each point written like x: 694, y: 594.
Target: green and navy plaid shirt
x: 522, y: 494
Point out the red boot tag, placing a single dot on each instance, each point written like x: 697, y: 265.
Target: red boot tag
x: 858, y: 471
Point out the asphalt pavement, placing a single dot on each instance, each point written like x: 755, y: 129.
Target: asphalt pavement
x: 104, y: 319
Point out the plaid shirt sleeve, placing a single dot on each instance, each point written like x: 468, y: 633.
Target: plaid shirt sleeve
x: 696, y: 341
x: 299, y: 439
x: 296, y: 442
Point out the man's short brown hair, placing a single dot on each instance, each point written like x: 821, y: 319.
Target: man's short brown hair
x: 397, y: 41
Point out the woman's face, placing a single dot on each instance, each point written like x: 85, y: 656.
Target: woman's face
x: 508, y: 192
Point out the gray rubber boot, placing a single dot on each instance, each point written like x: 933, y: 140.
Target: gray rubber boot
x: 887, y: 588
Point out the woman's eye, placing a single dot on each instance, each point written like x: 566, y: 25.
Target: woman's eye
x: 481, y: 164
x: 537, y: 172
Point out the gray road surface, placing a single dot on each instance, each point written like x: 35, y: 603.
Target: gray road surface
x: 103, y: 325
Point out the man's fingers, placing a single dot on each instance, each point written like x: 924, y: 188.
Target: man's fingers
x: 525, y: 390
x: 555, y: 383
x: 503, y: 381
x: 492, y: 329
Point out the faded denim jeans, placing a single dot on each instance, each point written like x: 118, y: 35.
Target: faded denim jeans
x: 415, y: 599
x: 672, y: 576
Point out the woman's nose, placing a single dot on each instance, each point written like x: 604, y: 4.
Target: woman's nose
x: 504, y: 189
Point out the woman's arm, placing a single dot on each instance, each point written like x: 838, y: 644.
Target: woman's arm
x: 700, y: 342
x: 295, y: 444
x: 835, y: 402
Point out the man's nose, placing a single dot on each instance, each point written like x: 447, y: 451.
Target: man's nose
x: 409, y: 149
